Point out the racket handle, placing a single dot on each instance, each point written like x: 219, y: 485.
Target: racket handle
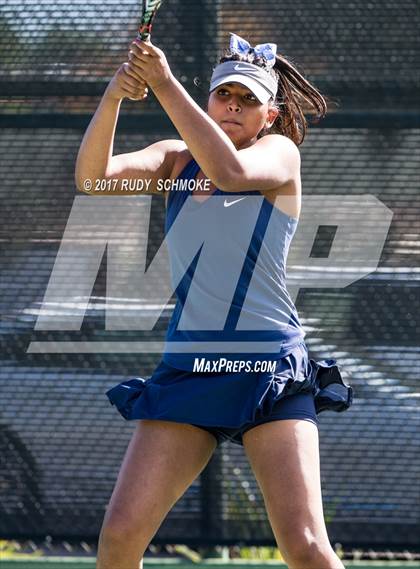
x: 144, y: 36
x: 144, y: 32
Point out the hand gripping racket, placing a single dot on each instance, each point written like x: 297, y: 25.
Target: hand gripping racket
x: 150, y: 7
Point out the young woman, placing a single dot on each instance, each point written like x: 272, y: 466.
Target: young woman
x: 246, y: 144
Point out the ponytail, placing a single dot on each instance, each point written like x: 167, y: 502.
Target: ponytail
x: 295, y: 95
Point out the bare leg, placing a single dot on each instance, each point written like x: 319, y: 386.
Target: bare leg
x: 284, y: 456
x: 162, y: 460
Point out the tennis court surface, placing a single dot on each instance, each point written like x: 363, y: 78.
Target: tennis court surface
x: 77, y: 563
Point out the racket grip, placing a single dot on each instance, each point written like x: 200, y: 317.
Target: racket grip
x: 144, y: 36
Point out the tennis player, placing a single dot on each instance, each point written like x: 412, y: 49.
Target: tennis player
x: 245, y: 146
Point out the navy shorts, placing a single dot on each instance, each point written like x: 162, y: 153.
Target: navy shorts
x: 229, y: 404
x: 297, y: 406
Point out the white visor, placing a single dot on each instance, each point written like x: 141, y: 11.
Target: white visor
x: 257, y: 79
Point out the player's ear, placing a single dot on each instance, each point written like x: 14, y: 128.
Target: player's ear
x: 272, y: 114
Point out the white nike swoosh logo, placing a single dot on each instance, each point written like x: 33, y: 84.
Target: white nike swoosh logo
x: 239, y: 68
x: 227, y: 204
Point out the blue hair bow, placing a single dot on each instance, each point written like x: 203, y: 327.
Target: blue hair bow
x: 241, y: 46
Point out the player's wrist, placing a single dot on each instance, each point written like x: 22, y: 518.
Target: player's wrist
x: 112, y: 95
x: 165, y: 84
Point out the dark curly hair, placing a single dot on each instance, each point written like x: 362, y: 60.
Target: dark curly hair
x: 295, y: 95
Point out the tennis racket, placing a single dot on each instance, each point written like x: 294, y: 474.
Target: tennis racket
x: 150, y: 7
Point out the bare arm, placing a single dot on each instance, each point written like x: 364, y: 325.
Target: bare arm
x: 268, y: 164
x: 95, y: 152
x: 95, y: 160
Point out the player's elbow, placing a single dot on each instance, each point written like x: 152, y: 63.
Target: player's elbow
x: 79, y: 182
x: 83, y: 184
x: 232, y: 180
x: 87, y: 178
x: 78, y: 176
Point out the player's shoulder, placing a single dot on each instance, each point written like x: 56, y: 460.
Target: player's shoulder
x: 170, y: 145
x: 172, y: 150
x: 182, y: 158
x: 281, y: 147
x: 280, y: 141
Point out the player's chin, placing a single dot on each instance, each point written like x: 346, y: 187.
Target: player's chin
x: 232, y: 130
x: 234, y: 137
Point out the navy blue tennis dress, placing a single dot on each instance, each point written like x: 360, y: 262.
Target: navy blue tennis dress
x: 251, y: 318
